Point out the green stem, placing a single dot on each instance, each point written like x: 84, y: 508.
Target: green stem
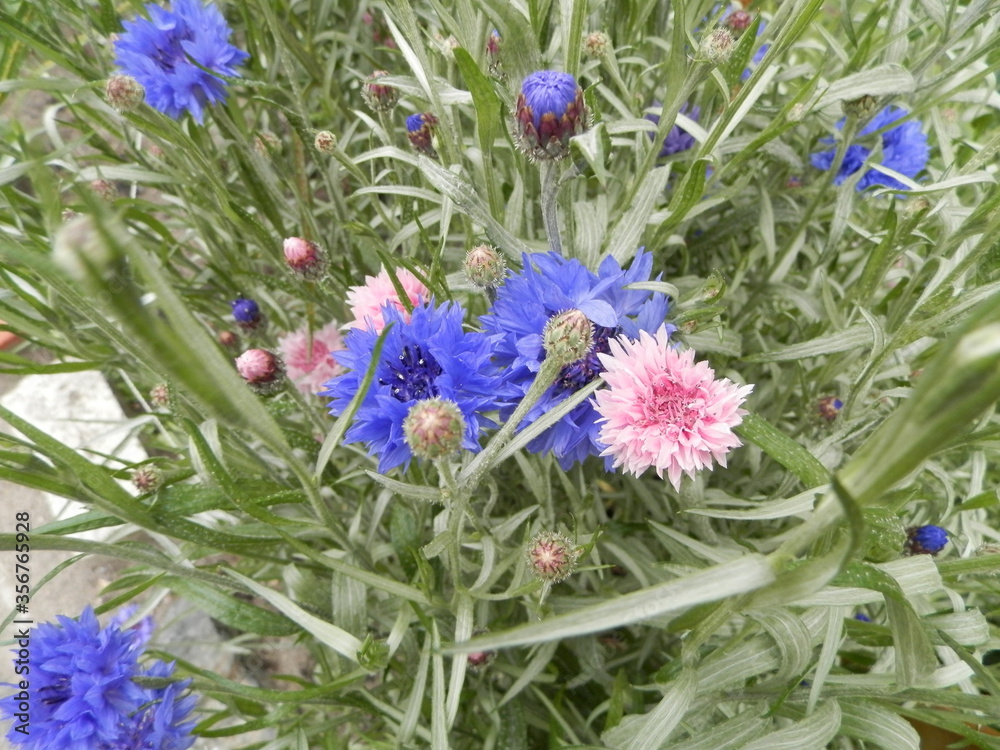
x: 550, y: 215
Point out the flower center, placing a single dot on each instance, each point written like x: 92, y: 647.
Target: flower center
x: 670, y: 404
x: 411, y: 376
x: 576, y: 375
x: 172, y: 53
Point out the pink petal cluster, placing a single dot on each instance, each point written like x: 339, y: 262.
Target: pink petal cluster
x: 366, y: 301
x: 310, y: 363
x: 664, y: 410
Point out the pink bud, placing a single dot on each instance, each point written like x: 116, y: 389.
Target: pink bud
x: 304, y: 257
x: 261, y: 369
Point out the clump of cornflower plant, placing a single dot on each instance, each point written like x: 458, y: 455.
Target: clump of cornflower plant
x: 904, y: 150
x: 180, y: 56
x: 677, y: 139
x: 367, y: 300
x: 426, y: 355
x: 663, y: 410
x: 925, y: 540
x: 420, y: 130
x: 547, y: 285
x: 84, y: 692
x: 549, y: 111
x: 308, y: 357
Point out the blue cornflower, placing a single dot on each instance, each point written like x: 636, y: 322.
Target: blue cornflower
x: 904, y: 150
x: 84, y: 694
x: 429, y: 356
x: 549, y: 111
x: 678, y: 139
x: 179, y: 55
x: 925, y: 540
x: 547, y: 285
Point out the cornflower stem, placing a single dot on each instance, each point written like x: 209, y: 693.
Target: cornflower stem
x: 550, y: 190
x: 470, y: 478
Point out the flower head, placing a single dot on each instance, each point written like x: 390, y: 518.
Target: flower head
x: 829, y: 407
x: 551, y: 556
x: 366, y: 301
x: 664, y: 410
x: 434, y: 428
x: 325, y: 142
x: 424, y: 356
x: 379, y: 96
x: 84, y: 694
x: 262, y: 370
x: 549, y: 111
x: 677, y: 139
x: 179, y: 56
x: 493, y: 45
x: 305, y: 258
x: 904, y: 150
x: 247, y: 313
x: 484, y: 266
x: 309, y: 359
x: 420, y: 131
x: 925, y: 540
x: 124, y: 93
x: 547, y: 285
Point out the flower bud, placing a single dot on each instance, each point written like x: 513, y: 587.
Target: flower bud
x: 228, y: 339
x: 568, y: 337
x: 551, y: 556
x: 549, y: 111
x: 829, y: 407
x: 596, y: 44
x: 717, y: 46
x: 485, y: 267
x: 159, y: 396
x: 420, y: 131
x: 262, y: 370
x: 147, y: 478
x: 493, y: 63
x: 304, y: 258
x: 104, y: 189
x: 738, y: 21
x: 925, y: 540
x: 378, y: 96
x: 124, y: 93
x: 864, y: 106
x: 247, y: 314
x: 325, y: 142
x: 434, y: 428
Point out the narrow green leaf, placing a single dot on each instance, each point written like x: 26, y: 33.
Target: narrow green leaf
x: 784, y: 450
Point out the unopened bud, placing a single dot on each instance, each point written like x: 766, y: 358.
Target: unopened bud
x: 124, y: 93
x: 104, y: 189
x: 420, y: 130
x: 493, y: 62
x: 147, y: 479
x: 304, y: 258
x: 247, y: 314
x: 551, y: 556
x: 485, y: 267
x: 925, y: 540
x: 326, y: 142
x: 159, y: 396
x: 596, y: 44
x: 860, y: 107
x: 228, y: 339
x: 379, y: 96
x: 568, y: 337
x: 717, y: 46
x: 434, y: 428
x: 738, y: 21
x: 262, y: 370
x: 829, y: 407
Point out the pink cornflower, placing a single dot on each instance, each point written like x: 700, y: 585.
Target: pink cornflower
x: 664, y: 410
x: 366, y: 301
x: 309, y: 367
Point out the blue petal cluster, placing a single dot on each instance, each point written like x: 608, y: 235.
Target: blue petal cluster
x: 171, y: 55
x: 429, y: 355
x: 678, y: 139
x: 926, y: 540
x: 84, y: 694
x: 904, y: 150
x: 547, y: 285
x: 246, y: 311
x: 548, y: 92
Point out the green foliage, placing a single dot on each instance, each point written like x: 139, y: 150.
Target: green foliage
x: 719, y: 616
